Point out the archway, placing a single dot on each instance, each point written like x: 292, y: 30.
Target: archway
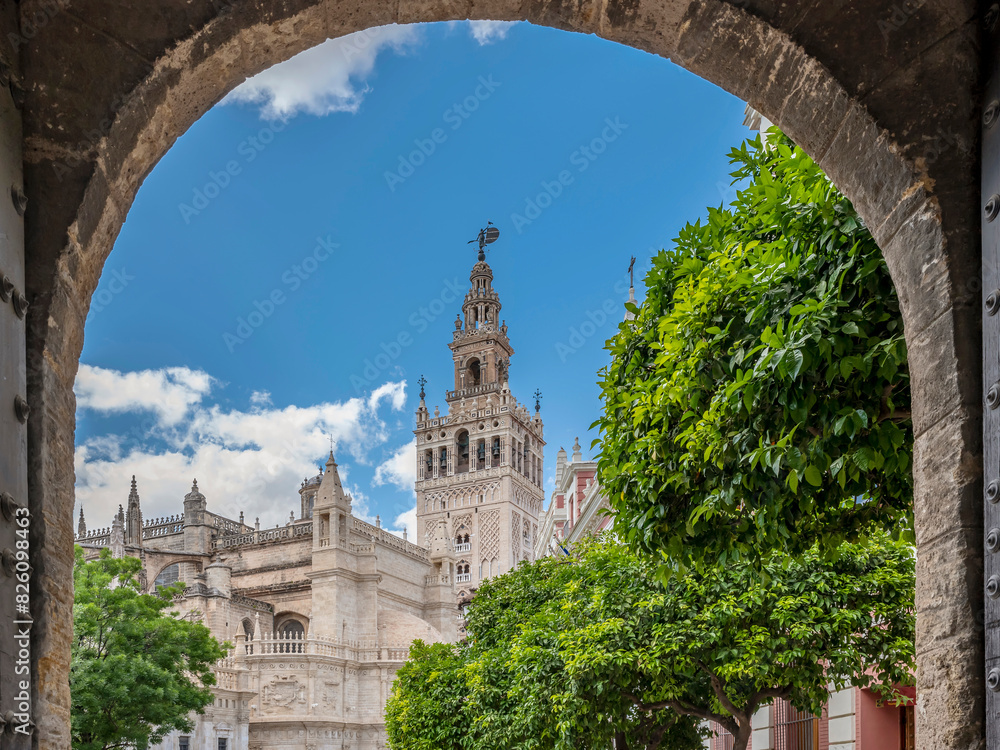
x: 839, y: 101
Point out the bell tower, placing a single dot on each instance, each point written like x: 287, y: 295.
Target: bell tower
x: 479, y: 465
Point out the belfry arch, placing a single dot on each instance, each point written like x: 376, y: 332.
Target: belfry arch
x: 890, y: 112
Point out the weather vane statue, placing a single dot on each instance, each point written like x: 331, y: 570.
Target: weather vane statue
x: 422, y: 382
x: 631, y: 280
x: 487, y: 236
x: 538, y: 399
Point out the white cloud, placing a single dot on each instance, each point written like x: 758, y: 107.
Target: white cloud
x: 400, y: 469
x: 408, y: 521
x: 260, y: 398
x: 250, y: 461
x: 325, y: 79
x: 395, y: 392
x: 487, y: 32
x: 169, y: 392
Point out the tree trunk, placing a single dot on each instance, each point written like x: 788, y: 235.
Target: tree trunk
x: 741, y: 741
x: 620, y: 742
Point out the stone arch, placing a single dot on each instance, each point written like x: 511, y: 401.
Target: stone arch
x: 473, y: 371
x: 157, y: 562
x: 289, y: 618
x: 834, y: 95
x: 170, y: 574
x: 290, y: 630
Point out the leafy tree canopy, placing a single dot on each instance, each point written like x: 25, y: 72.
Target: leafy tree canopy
x: 428, y: 709
x: 759, y: 400
x: 138, y: 670
x: 596, y: 651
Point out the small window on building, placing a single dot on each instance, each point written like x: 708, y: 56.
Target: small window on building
x: 794, y: 729
x: 223, y: 743
x: 184, y: 743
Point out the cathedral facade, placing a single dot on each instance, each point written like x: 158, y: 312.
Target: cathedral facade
x: 322, y: 610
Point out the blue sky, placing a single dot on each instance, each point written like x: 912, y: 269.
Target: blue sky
x: 273, y: 259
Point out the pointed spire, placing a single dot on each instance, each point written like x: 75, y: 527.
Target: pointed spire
x: 133, y: 517
x: 81, y: 528
x: 629, y: 315
x: 117, y: 535
x: 577, y: 455
x: 331, y: 491
x: 195, y: 492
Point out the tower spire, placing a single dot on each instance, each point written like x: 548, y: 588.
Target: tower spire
x: 629, y: 315
x: 81, y: 528
x: 133, y: 517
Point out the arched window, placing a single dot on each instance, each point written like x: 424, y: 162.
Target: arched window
x: 169, y: 575
x: 248, y: 628
x: 474, y: 370
x: 462, y: 452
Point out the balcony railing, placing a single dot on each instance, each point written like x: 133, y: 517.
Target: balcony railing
x: 473, y: 390
x: 463, y: 577
x: 278, y: 644
x: 464, y: 547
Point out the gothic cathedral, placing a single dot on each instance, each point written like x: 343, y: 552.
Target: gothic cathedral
x: 322, y: 610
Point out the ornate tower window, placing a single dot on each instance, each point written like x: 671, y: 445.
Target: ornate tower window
x: 473, y: 369
x: 462, y: 452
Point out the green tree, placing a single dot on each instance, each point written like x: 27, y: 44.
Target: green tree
x: 717, y: 645
x: 759, y: 400
x: 597, y: 651
x: 138, y: 670
x: 427, y: 709
x: 468, y: 696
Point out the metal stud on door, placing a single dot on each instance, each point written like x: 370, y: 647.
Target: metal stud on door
x: 991, y: 386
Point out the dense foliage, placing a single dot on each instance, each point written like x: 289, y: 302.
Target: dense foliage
x: 138, y: 670
x: 759, y: 400
x: 595, y: 651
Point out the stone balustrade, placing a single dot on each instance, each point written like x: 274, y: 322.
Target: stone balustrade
x: 382, y: 536
x: 282, y: 533
x: 474, y: 390
x: 164, y: 526
x: 362, y: 651
x: 96, y: 537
